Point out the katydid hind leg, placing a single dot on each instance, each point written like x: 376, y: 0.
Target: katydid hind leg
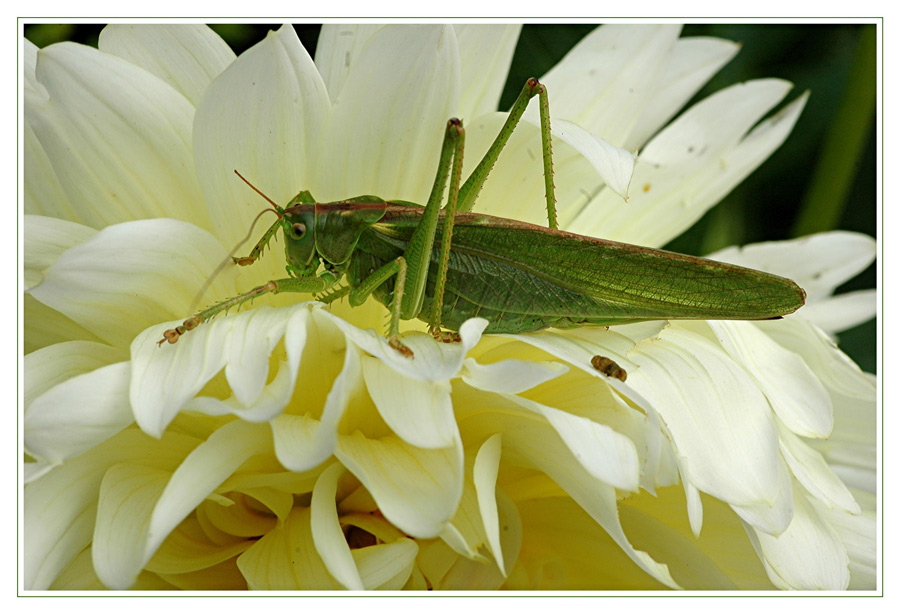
x: 446, y: 238
x: 468, y: 193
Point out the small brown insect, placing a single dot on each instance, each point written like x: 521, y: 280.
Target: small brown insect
x: 608, y: 367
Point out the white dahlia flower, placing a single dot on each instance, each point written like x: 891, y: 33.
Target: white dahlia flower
x: 287, y: 446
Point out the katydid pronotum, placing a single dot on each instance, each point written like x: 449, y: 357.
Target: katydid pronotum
x: 446, y: 265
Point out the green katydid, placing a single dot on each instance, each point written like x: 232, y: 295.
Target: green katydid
x: 520, y: 277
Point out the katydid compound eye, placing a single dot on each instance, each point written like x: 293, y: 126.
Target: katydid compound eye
x: 298, y: 230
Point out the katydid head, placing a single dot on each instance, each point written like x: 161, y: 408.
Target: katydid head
x: 298, y: 224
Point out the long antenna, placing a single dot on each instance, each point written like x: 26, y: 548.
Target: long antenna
x: 230, y: 257
x: 258, y: 191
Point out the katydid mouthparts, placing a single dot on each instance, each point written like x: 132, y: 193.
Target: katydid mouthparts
x: 446, y: 265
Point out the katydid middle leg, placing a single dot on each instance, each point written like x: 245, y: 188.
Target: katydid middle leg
x: 411, y: 268
x: 463, y: 198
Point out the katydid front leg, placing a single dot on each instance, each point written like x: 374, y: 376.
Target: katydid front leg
x: 275, y: 286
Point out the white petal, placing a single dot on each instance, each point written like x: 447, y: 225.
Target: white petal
x: 339, y: 47
x: 607, y: 455
x: 419, y: 412
x: 694, y: 507
x: 577, y: 347
x: 417, y: 490
x: 692, y: 62
x: 326, y: 530
x: 775, y: 516
x: 833, y: 368
x: 186, y: 56
x: 465, y: 532
x: 850, y: 450
x: 808, y: 556
x: 44, y: 326
x: 842, y: 312
x: 510, y: 376
x: 386, y: 127
x: 753, y: 149
x: 131, y: 275
x: 286, y: 559
x: 432, y: 361
x: 247, y: 366
x: 29, y: 64
x: 810, y: 469
x: 614, y: 164
x: 127, y: 496
x: 796, y: 395
x: 47, y: 367
x: 486, y: 52
x: 719, y: 420
x: 386, y: 566
x: 120, y: 153
x: 79, y: 413
x: 446, y: 570
x: 858, y: 535
x: 189, y: 549
x: 46, y: 239
x: 263, y: 117
x: 484, y: 475
x: 819, y: 263
x: 599, y: 500
x: 34, y: 470
x: 691, y: 164
x: 44, y: 195
x: 58, y: 521
x: 604, y: 83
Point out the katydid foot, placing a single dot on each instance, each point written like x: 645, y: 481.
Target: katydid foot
x: 394, y: 342
x: 172, y: 335
x: 445, y: 336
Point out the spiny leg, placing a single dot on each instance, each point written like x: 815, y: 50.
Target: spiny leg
x: 472, y: 187
x: 275, y: 286
x: 257, y: 250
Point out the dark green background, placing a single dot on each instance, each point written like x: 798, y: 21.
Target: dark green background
x: 825, y: 169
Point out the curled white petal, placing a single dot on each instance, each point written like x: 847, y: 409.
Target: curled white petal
x: 326, y: 530
x: 484, y: 475
x: 614, y: 164
x: 417, y: 490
